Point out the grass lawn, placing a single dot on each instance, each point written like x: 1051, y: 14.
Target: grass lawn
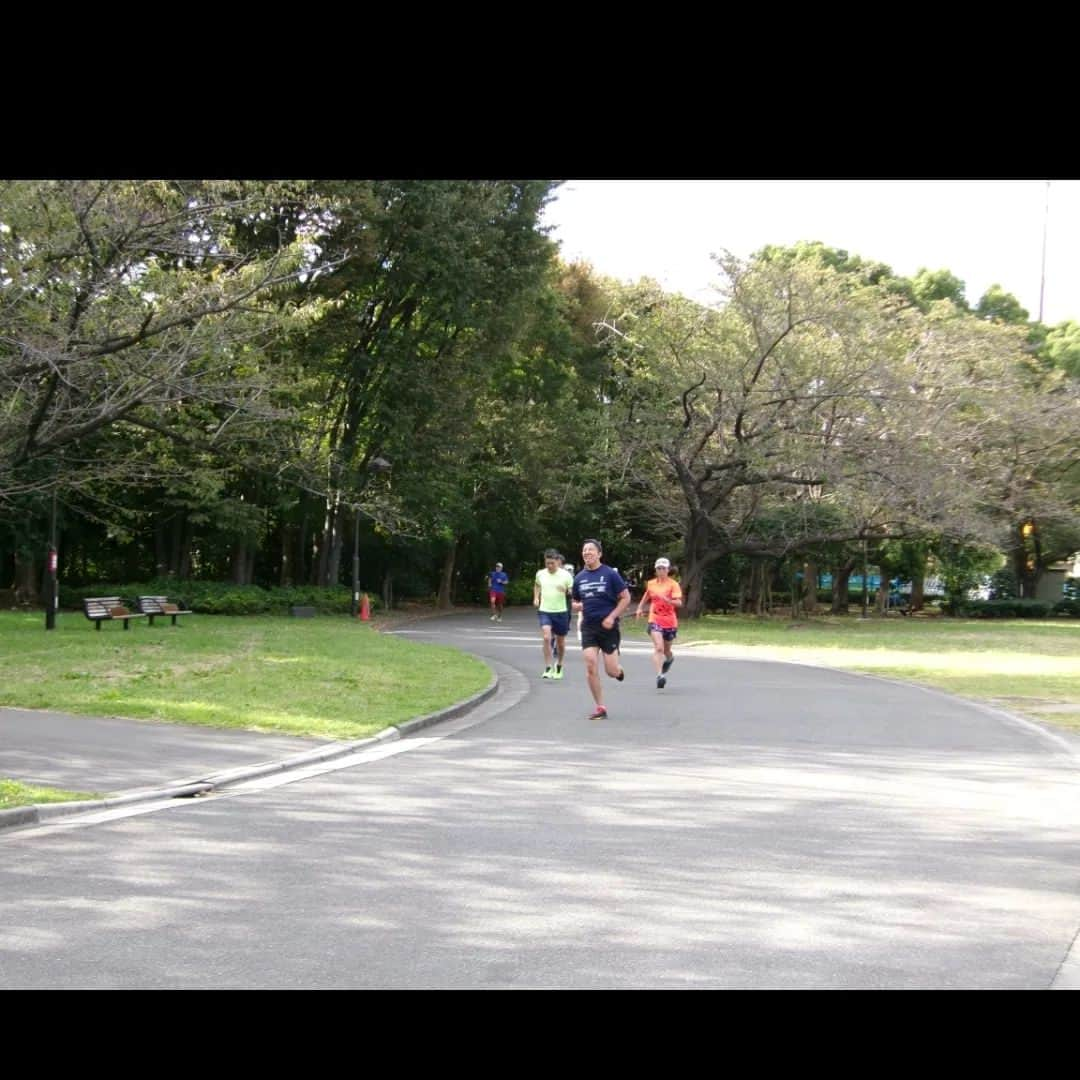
x: 1030, y: 667
x: 329, y: 676
x: 13, y: 794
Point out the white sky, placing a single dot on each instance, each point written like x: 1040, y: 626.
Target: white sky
x: 984, y: 231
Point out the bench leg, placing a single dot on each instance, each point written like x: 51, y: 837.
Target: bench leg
x: 97, y: 624
x: 174, y: 620
x: 126, y: 624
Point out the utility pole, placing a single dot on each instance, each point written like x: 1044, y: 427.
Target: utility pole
x: 1042, y: 280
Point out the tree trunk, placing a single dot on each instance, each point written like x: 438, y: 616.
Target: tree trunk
x: 446, y: 582
x: 286, y: 539
x: 1027, y: 574
x: 175, y: 524
x: 161, y: 547
x: 810, y: 576
x: 330, y: 547
x: 755, y: 589
x: 388, y: 591
x: 698, y: 560
x: 243, y: 563
x: 692, y: 582
x: 303, y: 563
x: 841, y: 577
x: 183, y: 569
x: 918, y: 587
x: 177, y: 543
x: 883, y: 595
x: 25, y: 582
x: 132, y: 570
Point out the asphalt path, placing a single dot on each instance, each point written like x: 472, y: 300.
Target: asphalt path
x: 753, y: 825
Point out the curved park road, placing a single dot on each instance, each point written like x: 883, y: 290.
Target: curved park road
x: 753, y: 825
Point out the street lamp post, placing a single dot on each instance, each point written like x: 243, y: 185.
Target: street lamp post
x: 354, y: 610
x: 375, y: 466
x: 52, y: 599
x: 865, y: 590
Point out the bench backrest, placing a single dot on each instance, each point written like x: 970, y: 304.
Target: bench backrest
x: 155, y: 604
x: 100, y: 607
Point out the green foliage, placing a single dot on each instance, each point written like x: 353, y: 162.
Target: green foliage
x: 520, y: 590
x: 1003, y: 584
x: 126, y: 305
x: 221, y: 598
x: 998, y: 609
x: 1001, y: 306
x: 1061, y: 348
x: 931, y: 286
x: 521, y: 401
x: 963, y: 566
x: 1068, y: 607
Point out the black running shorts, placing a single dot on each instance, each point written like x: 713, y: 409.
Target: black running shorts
x: 594, y: 636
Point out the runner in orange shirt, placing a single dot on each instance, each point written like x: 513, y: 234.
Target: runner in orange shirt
x: 662, y: 595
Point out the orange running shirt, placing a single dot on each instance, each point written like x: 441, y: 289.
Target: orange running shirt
x: 662, y: 613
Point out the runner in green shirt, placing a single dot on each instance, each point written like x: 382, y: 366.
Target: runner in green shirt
x: 551, y: 587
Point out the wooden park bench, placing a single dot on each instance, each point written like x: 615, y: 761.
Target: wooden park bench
x: 159, y: 605
x: 99, y: 608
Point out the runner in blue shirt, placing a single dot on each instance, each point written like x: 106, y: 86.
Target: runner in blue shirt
x: 601, y: 594
x: 497, y: 582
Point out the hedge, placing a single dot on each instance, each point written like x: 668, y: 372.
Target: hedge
x: 222, y: 598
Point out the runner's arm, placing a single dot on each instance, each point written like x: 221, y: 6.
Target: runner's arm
x: 644, y: 602
x: 620, y: 607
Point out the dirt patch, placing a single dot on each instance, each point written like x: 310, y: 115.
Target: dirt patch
x: 415, y: 612
x: 1043, y: 705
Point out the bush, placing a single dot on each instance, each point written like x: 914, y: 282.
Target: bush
x: 1067, y: 607
x: 519, y: 591
x: 332, y: 601
x: 222, y: 598
x: 1003, y: 584
x: 999, y: 609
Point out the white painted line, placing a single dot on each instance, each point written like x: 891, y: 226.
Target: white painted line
x: 1068, y: 975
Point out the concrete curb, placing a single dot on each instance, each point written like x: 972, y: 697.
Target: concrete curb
x: 39, y: 812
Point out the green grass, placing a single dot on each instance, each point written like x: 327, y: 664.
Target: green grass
x: 1027, y: 667
x: 13, y: 794
x: 325, y: 677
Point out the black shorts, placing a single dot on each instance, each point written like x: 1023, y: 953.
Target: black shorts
x: 594, y: 636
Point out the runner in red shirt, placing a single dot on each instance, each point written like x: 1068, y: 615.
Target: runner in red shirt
x: 662, y: 595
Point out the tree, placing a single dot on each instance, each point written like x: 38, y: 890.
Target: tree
x: 1061, y: 348
x: 930, y: 286
x: 122, y: 302
x: 997, y: 304
x: 424, y: 301
x: 125, y: 308
x: 812, y: 408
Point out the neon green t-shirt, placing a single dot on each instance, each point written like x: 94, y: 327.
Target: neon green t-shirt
x: 554, y: 589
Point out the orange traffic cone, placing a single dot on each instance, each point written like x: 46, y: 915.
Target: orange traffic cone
x: 365, y: 608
